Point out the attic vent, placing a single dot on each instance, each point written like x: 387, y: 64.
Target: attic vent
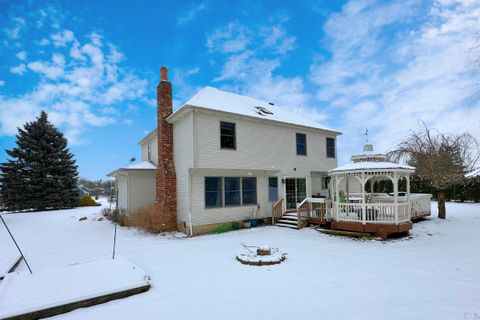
x: 263, y: 111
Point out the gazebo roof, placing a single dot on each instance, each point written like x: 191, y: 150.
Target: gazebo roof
x: 370, y: 165
x: 369, y: 161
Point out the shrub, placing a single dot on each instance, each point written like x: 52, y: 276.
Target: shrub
x: 147, y: 218
x: 115, y: 215
x: 87, y: 200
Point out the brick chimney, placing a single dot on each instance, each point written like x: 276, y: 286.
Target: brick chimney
x: 166, y: 185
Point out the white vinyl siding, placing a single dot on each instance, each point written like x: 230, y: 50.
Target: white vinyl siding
x: 260, y: 146
x: 136, y: 188
x: 122, y: 187
x: 142, y: 183
x: 154, y: 149
x: 183, y: 159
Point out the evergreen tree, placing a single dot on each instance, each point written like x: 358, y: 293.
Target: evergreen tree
x: 41, y: 172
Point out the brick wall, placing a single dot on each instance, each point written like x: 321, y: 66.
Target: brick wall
x: 166, y: 193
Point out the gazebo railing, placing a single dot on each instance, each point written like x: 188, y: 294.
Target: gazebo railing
x: 349, y: 212
x: 373, y: 213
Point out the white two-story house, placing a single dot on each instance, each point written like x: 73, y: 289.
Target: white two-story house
x: 230, y: 153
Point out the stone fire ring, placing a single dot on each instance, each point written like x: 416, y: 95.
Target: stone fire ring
x: 262, y: 257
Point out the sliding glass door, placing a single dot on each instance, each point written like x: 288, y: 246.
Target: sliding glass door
x: 296, y: 191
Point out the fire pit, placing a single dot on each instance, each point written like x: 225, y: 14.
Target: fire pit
x: 261, y: 256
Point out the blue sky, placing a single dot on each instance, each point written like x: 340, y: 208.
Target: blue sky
x: 93, y: 66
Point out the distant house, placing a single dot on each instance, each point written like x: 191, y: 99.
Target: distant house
x: 221, y: 154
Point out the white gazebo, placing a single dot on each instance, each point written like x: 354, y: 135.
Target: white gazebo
x: 356, y: 209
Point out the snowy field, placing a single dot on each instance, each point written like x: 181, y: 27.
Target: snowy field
x: 433, y: 274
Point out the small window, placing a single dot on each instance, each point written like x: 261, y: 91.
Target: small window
x: 325, y: 182
x: 301, y: 144
x: 272, y: 189
x: 213, y: 192
x: 330, y: 148
x: 232, y: 191
x: 149, y: 152
x: 227, y: 135
x: 249, y: 190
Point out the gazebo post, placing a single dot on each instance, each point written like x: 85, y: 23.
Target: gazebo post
x: 348, y: 189
x: 364, y: 220
x: 372, y: 181
x: 395, y: 195
x: 408, y: 196
x: 337, y: 198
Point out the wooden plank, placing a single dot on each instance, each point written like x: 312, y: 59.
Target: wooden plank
x: 345, y: 233
x: 53, y: 311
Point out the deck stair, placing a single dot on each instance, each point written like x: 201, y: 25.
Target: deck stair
x: 288, y: 220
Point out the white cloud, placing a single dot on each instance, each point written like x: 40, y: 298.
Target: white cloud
x: 21, y: 55
x: 20, y: 69
x: 44, y: 42
x: 229, y: 39
x: 2, y: 83
x: 81, y: 85
x: 250, y: 60
x: 276, y: 38
x: 183, y: 89
x: 62, y: 38
x: 191, y: 13
x: 49, y: 70
x: 395, y: 63
x: 17, y: 25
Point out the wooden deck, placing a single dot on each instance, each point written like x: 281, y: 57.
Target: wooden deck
x: 382, y: 230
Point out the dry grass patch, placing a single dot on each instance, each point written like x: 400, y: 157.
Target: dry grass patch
x: 148, y: 218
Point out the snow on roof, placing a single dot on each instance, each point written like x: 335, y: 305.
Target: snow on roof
x: 370, y: 165
x: 215, y: 99
x: 142, y: 165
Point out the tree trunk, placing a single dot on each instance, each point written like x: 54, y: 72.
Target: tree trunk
x: 441, y: 205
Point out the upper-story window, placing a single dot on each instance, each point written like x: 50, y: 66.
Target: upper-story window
x: 227, y: 135
x: 149, y: 152
x: 330, y: 147
x: 301, y: 144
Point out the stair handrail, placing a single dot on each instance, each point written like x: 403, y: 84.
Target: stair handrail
x: 306, y: 206
x: 277, y: 210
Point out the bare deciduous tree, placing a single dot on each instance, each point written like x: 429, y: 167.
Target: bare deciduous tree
x: 442, y: 158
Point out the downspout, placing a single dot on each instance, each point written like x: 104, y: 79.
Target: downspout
x: 194, y: 140
x: 190, y: 226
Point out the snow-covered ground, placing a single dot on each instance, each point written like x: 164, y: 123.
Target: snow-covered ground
x: 23, y: 292
x: 433, y: 274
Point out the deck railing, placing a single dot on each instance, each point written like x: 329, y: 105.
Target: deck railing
x: 312, y: 210
x: 419, y: 205
x: 277, y: 211
x: 382, y: 209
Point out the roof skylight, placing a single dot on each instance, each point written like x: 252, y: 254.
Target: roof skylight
x: 263, y: 111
